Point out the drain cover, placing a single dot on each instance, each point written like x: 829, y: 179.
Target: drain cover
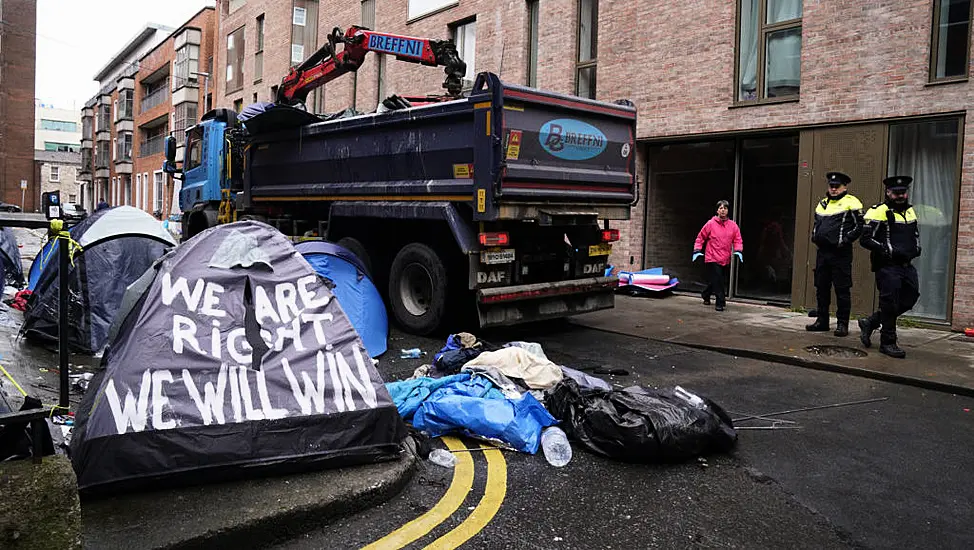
x: 835, y: 351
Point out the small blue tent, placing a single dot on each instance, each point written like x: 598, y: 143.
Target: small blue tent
x: 355, y: 291
x: 47, y: 253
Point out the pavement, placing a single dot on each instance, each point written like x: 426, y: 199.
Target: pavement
x: 936, y: 359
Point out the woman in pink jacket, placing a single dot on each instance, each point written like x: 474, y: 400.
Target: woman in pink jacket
x: 722, y: 239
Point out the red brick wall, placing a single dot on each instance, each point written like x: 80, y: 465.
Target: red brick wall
x: 17, y: 69
x: 277, y: 48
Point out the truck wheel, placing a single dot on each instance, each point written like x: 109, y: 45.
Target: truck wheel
x: 356, y: 247
x: 197, y: 221
x: 418, y: 289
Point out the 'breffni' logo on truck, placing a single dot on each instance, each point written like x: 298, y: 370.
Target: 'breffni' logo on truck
x: 571, y: 139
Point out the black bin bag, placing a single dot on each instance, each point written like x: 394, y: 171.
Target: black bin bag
x: 638, y: 424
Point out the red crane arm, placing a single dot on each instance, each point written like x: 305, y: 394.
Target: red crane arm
x: 328, y: 63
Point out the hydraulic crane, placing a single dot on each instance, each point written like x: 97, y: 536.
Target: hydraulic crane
x: 328, y: 63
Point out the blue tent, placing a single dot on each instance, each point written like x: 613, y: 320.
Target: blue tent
x: 47, y: 253
x: 355, y: 291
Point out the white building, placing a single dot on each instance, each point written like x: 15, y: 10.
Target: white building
x: 56, y: 129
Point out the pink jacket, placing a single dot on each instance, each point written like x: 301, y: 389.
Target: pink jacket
x: 721, y: 239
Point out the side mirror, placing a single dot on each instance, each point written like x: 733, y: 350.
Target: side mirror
x: 170, y: 149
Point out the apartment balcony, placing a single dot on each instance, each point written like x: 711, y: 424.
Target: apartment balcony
x: 152, y: 146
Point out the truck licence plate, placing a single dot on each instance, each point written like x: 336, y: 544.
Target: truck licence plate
x: 491, y: 257
x: 600, y: 250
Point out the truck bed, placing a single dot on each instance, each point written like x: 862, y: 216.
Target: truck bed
x: 510, y: 152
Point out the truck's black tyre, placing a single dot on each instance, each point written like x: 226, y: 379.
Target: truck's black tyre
x: 418, y: 289
x: 356, y: 247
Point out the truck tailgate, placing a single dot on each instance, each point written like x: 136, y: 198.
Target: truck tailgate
x: 566, y: 149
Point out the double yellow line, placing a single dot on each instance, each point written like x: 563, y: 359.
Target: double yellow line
x: 490, y: 503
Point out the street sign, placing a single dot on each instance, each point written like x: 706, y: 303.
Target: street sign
x: 23, y: 184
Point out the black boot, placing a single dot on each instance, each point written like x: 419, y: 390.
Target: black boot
x: 888, y: 346
x: 866, y: 329
x: 820, y: 325
x: 841, y: 328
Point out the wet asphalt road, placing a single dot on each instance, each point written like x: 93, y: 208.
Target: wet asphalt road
x: 891, y: 474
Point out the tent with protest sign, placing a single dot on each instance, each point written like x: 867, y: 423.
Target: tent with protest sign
x: 231, y: 356
x: 354, y: 289
x: 117, y: 246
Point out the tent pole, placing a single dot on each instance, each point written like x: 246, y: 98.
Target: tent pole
x: 62, y: 317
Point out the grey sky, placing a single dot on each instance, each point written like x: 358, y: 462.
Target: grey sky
x: 76, y: 38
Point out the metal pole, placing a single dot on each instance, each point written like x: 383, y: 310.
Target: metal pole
x: 817, y: 408
x: 62, y: 317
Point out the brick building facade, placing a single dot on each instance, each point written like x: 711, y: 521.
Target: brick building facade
x: 750, y: 101
x: 17, y: 69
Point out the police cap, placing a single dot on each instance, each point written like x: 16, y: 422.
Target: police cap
x: 898, y: 183
x: 838, y: 178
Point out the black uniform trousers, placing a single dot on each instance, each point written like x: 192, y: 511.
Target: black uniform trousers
x: 899, y: 290
x: 833, y: 267
x: 715, y: 283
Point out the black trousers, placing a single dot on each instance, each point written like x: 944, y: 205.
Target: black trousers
x: 833, y: 268
x: 715, y: 283
x: 899, y: 290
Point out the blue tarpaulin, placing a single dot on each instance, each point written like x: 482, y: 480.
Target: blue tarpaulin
x: 471, y: 404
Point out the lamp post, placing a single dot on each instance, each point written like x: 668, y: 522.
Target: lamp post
x: 206, y: 89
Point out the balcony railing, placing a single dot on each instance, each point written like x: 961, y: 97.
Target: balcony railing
x: 152, y: 146
x: 157, y: 97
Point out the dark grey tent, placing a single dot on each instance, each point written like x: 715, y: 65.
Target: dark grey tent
x: 233, y: 358
x: 10, y: 262
x: 118, y: 245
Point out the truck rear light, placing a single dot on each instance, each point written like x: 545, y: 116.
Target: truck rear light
x: 495, y: 239
x: 610, y: 235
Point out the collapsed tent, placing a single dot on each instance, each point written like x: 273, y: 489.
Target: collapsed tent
x: 118, y: 245
x: 10, y: 262
x: 356, y: 293
x: 231, y: 357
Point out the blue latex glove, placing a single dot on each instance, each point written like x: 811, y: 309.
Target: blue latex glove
x: 697, y: 255
x: 740, y: 257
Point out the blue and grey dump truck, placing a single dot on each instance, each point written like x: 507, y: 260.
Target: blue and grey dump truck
x: 498, y: 204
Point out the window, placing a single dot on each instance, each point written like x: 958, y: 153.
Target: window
x: 138, y: 182
x: 186, y: 66
x: 238, y: 105
x: 928, y: 152
x: 950, y: 45
x: 158, y: 184
x: 114, y: 148
x: 368, y: 14
x: 769, y: 49
x: 58, y: 146
x: 124, y: 105
x: 465, y: 36
x: 259, y: 55
x: 72, y: 199
x: 86, y: 127
x: 235, y: 57
x: 304, y: 29
x: 185, y: 117
x: 115, y: 108
x: 144, y: 192
x: 59, y: 125
x: 128, y: 189
x: 101, y: 154
x: 418, y: 8
x: 533, y: 42
x: 114, y: 190
x: 194, y: 149
x: 123, y: 144
x: 588, y: 43
x: 104, y: 118
x: 55, y: 173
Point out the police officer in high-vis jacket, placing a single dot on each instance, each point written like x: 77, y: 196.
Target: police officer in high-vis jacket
x: 838, y: 224
x: 893, y: 238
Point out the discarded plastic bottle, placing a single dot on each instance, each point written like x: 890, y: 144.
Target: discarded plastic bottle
x: 557, y: 450
x: 410, y: 353
x: 443, y: 458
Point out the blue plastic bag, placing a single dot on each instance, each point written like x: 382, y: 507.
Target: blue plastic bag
x: 517, y: 422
